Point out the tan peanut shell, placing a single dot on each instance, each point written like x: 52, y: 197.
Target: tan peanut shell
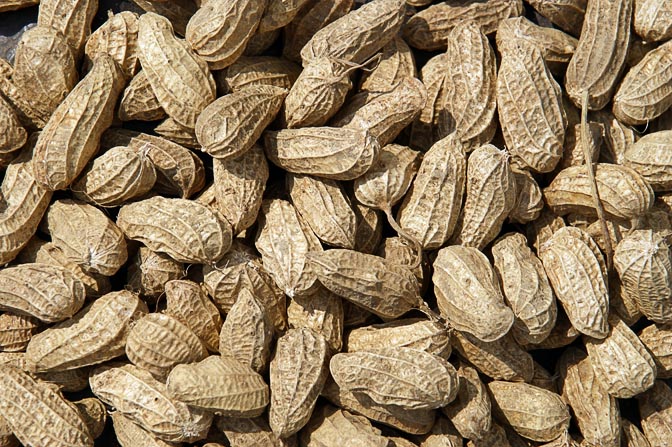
x: 247, y: 333
x: 390, y: 293
x: 319, y: 91
x: 574, y: 154
x: 117, y: 37
x: 179, y: 78
x: 491, y: 195
x: 24, y: 202
x: 655, y: 409
x: 219, y: 30
x: 240, y: 269
x: 533, y: 412
x: 284, y: 241
x: 649, y: 157
x: 87, y: 236
x: 632, y: 436
x: 71, y: 17
x: 14, y: 136
x: 596, y: 412
x: 229, y: 126
x: 471, y: 411
x: 332, y: 426
x: 251, y: 432
x: 540, y: 230
x: 496, y: 436
x: 644, y: 93
x: 7, y: 438
x: 430, y: 28
x: 179, y: 172
x: 384, y: 114
x: 469, y: 295
x: 38, y: 415
x: 42, y: 252
x: 329, y: 152
x: 556, y: 47
x: 221, y: 385
x: 369, y: 228
x: 48, y: 293
x: 443, y: 433
x: 187, y: 302
x: 408, y: 421
x: 94, y: 335
x: 502, y: 359
x: 526, y: 288
x: 119, y: 175
x: 401, y: 251
x: 642, y: 260
x: 405, y: 377
x: 656, y: 338
x: 130, y: 434
x: 16, y: 331
x: 599, y: 57
x: 396, y: 63
x: 298, y: 372
x: 177, y: 11
x: 157, y: 342
x: 256, y: 71
x: 279, y: 13
x: 322, y: 312
x: 617, y: 136
x: 71, y: 136
x: 149, y: 271
x: 13, y: 5
x: 576, y: 270
x: 468, y: 107
x: 652, y: 20
x: 530, y: 108
x: 139, y: 101
x: 621, y: 361
x: 147, y: 402
x: 44, y: 73
x: 239, y: 185
x: 414, y: 333
x: 177, y: 133
x: 623, y: 192
x: 430, y: 209
x: 324, y: 206
x: 184, y: 230
x: 358, y: 35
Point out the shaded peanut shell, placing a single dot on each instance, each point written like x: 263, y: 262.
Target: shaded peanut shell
x: 652, y: 20
x: 50, y: 419
x: 94, y: 415
x: 332, y: 426
x: 471, y: 411
x: 71, y: 136
x: 369, y: 228
x: 149, y: 271
x: 433, y: 122
x: 139, y: 101
x: 179, y: 78
x: 147, y: 402
x: 221, y: 385
x: 247, y: 333
x: 655, y: 409
x: 529, y: 198
x: 324, y: 206
x: 621, y: 361
x: 94, y: 335
x: 229, y: 126
x: 491, y: 195
x: 396, y: 63
x: 130, y: 434
x: 533, y: 412
x: 657, y: 339
x: 321, y: 312
x: 219, y: 31
x: 379, y: 286
x: 14, y: 135
x: 256, y: 71
x: 468, y: 293
x: 251, y: 432
x: 187, y: 301
x: 117, y: 37
x: 624, y: 193
x: 649, y: 156
x: 183, y: 229
x: 279, y: 13
x: 431, y: 208
x: 566, y: 14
